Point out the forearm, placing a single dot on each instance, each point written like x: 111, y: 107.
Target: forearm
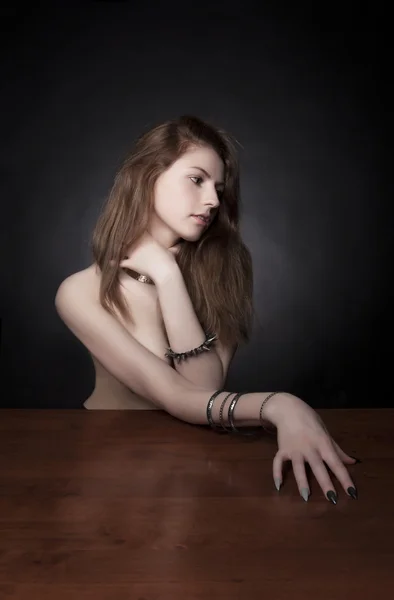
x: 184, y: 400
x: 190, y: 404
x: 195, y: 380
x: 184, y: 332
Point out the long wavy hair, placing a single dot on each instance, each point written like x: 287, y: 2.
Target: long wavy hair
x: 217, y: 269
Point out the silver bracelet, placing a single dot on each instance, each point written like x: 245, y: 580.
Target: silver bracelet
x: 261, y: 411
x: 231, y: 418
x: 231, y: 409
x: 209, y: 410
x: 221, y: 413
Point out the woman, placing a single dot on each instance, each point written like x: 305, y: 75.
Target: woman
x: 165, y: 278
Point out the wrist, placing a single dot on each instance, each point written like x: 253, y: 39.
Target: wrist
x: 276, y: 408
x: 166, y: 272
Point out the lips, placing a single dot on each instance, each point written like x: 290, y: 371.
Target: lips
x: 206, y: 218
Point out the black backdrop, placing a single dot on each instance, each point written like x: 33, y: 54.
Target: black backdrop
x: 306, y: 97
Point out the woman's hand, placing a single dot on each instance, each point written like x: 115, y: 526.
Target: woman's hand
x: 302, y: 436
x: 149, y: 258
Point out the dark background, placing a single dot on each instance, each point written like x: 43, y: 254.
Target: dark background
x: 306, y: 96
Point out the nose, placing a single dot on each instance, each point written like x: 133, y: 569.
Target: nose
x: 212, y: 199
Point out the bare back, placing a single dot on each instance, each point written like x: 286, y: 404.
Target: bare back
x: 148, y: 329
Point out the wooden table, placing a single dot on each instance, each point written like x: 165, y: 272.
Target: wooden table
x: 123, y: 505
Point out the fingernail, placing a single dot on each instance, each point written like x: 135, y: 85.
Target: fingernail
x: 305, y: 493
x: 278, y: 483
x: 352, y: 492
x: 331, y: 495
x: 356, y: 459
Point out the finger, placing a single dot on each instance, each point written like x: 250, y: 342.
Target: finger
x: 121, y: 264
x: 300, y: 476
x: 320, y: 472
x: 340, y: 471
x: 277, y: 468
x: 346, y: 458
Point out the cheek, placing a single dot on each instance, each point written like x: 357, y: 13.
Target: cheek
x: 167, y: 206
x: 188, y: 195
x: 174, y: 199
x: 163, y: 198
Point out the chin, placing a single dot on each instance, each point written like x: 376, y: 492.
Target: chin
x: 192, y: 237
x: 190, y: 233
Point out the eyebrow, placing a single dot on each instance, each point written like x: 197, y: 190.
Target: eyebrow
x: 207, y: 174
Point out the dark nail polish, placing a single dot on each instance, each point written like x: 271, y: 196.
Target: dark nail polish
x: 356, y: 459
x: 331, y: 495
x: 352, y: 492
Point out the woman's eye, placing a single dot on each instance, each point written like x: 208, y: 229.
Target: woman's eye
x: 219, y: 192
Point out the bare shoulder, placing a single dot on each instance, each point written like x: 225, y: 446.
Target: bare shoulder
x: 84, y: 283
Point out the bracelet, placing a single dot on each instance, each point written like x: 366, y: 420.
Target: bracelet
x: 272, y: 431
x: 231, y: 418
x: 233, y: 429
x: 202, y: 348
x: 232, y: 406
x: 211, y: 422
x: 209, y: 410
x: 221, y: 413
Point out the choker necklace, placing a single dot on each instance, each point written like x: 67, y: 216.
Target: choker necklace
x: 138, y: 276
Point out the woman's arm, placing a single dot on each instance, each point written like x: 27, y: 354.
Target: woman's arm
x: 185, y: 332
x: 142, y: 371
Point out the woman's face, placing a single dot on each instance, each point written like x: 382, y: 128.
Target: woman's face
x: 191, y: 186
